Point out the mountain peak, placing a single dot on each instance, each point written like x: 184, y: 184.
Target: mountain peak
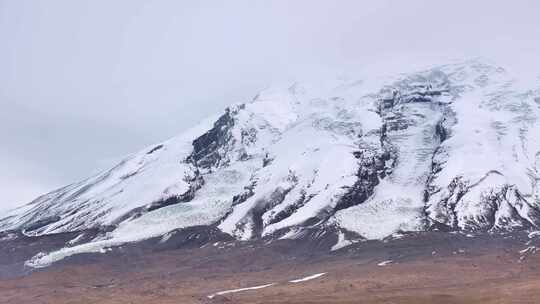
x: 453, y: 147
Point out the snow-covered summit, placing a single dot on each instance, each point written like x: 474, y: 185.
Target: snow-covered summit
x: 452, y: 147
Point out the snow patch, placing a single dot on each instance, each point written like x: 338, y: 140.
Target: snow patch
x: 238, y: 290
x: 385, y: 263
x: 342, y: 242
x: 308, y: 278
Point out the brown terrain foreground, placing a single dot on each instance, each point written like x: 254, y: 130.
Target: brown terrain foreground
x: 429, y: 267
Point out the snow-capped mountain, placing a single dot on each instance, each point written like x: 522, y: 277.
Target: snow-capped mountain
x: 455, y: 147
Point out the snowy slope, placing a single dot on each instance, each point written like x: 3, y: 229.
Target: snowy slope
x: 452, y: 147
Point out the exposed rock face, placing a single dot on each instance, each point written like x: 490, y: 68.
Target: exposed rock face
x: 497, y: 205
x: 452, y: 148
x: 210, y: 149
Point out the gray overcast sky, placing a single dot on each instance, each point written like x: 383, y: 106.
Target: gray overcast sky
x: 83, y: 83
